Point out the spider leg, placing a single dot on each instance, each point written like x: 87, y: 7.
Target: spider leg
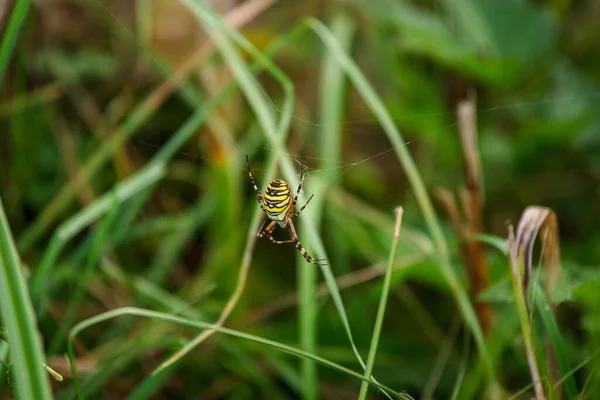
x: 267, y: 230
x: 260, y: 196
x: 294, y: 215
x: 279, y: 241
x: 301, y: 249
x: 302, y: 170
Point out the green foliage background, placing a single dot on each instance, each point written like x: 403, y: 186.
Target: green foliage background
x: 117, y: 199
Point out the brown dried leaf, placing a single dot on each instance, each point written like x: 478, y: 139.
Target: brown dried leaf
x: 537, y: 219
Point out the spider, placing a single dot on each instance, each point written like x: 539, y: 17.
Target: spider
x: 278, y: 204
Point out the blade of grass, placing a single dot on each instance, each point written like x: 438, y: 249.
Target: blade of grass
x: 462, y: 368
x: 254, y: 97
x: 556, y: 340
x: 266, y: 120
x: 203, y: 325
x: 241, y: 281
x: 11, y: 35
x: 18, y: 318
x: 385, y: 290
x: 526, y: 329
x: 76, y: 299
x: 331, y: 113
x: 156, y: 296
x: 124, y: 190
x: 376, y: 105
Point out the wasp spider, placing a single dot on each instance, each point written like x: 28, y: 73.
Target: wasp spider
x: 279, y: 206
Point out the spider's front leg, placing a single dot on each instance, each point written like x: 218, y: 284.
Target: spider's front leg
x: 260, y: 197
x: 295, y: 200
x: 294, y: 215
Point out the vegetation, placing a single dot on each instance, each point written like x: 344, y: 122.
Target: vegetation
x: 452, y: 149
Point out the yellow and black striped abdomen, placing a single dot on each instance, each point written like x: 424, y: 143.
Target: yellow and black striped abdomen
x: 278, y: 199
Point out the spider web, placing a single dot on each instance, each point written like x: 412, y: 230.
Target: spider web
x: 352, y: 127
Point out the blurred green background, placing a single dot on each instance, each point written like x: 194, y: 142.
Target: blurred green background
x: 123, y: 177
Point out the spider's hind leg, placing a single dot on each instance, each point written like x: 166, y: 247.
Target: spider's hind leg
x: 301, y: 249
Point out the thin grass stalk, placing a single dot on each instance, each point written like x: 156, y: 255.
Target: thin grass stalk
x: 462, y: 368
x: 331, y: 110
x: 521, y: 305
x: 556, y: 340
x: 160, y: 299
x: 473, y: 202
x: 11, y: 35
x: 281, y: 131
x: 266, y: 121
x: 203, y: 325
x: 385, y: 290
x: 412, y: 173
x: 18, y: 318
x: 240, y: 285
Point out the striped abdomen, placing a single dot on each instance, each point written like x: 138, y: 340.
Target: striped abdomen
x: 278, y: 199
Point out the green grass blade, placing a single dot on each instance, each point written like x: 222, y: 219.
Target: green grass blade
x: 242, y: 275
x: 11, y: 35
x: 266, y: 120
x: 556, y: 340
x: 26, y: 353
x: 462, y: 368
x: 377, y: 106
x: 521, y: 306
x: 385, y: 290
x: 124, y: 190
x: 331, y: 110
x: 203, y: 325
x: 76, y: 299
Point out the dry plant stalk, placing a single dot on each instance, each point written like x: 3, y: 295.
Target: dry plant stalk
x: 536, y: 219
x: 471, y: 201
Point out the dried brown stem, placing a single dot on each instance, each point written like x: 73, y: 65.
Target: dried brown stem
x: 468, y: 221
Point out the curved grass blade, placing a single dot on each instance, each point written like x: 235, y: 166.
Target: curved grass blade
x: 26, y: 354
x: 203, y: 325
x: 266, y: 120
x: 376, y: 104
x: 280, y: 132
